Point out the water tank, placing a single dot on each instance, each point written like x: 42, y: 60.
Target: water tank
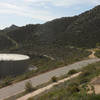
x: 13, y: 64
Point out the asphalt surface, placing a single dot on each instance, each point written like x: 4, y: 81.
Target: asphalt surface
x: 42, y: 78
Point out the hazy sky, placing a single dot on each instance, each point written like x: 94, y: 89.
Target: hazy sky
x: 21, y: 12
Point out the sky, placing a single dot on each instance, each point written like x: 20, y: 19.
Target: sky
x: 22, y: 12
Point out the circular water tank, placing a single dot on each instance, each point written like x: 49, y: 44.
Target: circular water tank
x: 13, y: 64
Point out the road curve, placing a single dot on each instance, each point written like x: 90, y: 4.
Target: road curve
x: 42, y: 78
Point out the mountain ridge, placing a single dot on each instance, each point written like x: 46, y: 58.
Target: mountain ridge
x: 79, y: 31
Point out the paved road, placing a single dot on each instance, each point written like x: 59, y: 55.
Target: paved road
x: 45, y: 77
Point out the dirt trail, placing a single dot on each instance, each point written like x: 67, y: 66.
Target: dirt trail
x: 96, y: 84
x: 92, y: 55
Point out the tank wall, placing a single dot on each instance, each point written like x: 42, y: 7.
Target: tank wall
x: 14, y: 68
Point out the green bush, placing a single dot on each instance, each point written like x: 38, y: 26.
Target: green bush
x: 71, y: 72
x: 84, y: 77
x: 85, y: 73
x: 97, y: 53
x: 54, y: 79
x: 73, y: 87
x: 94, y: 97
x: 84, y: 80
x: 7, y: 81
x: 30, y: 99
x: 29, y: 87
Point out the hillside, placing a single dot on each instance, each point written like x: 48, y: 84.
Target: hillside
x: 79, y: 31
x: 5, y: 43
x: 85, y: 31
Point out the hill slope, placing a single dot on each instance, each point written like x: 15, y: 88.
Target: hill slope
x: 80, y: 31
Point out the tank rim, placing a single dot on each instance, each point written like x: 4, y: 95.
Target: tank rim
x: 13, y: 57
